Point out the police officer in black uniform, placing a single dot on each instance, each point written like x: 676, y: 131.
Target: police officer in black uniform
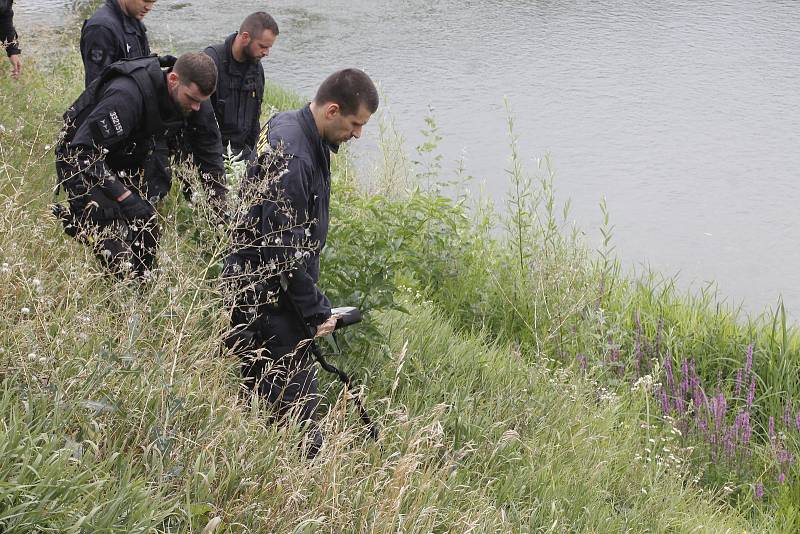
x: 280, y: 239
x: 114, y: 32
x: 240, y: 85
x: 8, y: 37
x: 108, y: 134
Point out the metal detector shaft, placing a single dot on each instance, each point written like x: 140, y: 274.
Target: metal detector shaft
x: 315, y: 350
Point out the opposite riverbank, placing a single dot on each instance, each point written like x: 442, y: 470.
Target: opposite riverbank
x: 522, y: 383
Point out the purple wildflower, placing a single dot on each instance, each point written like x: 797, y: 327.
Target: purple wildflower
x: 759, y: 490
x: 742, y: 424
x: 751, y: 395
x: 719, y: 407
x: 684, y: 378
x: 784, y: 456
x: 787, y: 413
x: 664, y: 400
x: 748, y: 364
x: 729, y: 441
x: 771, y: 427
x: 670, y: 376
x: 702, y: 425
x: 582, y: 361
x: 738, y: 388
x: 680, y: 405
x: 797, y: 421
x: 782, y: 478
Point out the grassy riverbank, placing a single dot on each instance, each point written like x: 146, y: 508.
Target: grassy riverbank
x: 516, y: 378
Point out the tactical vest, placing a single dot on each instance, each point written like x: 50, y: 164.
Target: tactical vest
x: 149, y: 79
x: 238, y: 98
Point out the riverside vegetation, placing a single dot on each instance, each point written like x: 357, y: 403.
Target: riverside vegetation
x: 523, y: 383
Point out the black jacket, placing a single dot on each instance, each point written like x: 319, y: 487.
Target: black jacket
x: 114, y: 125
x: 108, y: 36
x: 237, y: 100
x: 8, y: 35
x: 291, y: 227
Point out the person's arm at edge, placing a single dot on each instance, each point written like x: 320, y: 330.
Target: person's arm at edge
x: 9, y: 38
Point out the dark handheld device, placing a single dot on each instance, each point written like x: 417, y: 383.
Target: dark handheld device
x: 350, y: 315
x: 347, y: 315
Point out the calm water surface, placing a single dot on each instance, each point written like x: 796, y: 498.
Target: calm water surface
x: 684, y: 115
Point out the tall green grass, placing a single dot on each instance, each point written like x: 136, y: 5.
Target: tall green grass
x: 120, y: 411
x: 538, y: 286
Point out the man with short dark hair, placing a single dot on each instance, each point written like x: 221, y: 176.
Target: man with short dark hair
x: 240, y: 86
x: 108, y: 134
x: 8, y: 37
x: 114, y: 32
x: 280, y: 240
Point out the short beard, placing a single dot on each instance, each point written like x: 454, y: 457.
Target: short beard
x: 173, y: 95
x: 249, y: 56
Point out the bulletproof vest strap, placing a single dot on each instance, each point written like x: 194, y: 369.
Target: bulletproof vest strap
x: 219, y: 49
x: 222, y: 57
x: 147, y: 74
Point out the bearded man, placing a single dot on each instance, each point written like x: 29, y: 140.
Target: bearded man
x: 240, y: 84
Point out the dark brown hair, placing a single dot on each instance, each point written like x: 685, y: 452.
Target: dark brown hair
x: 198, y: 68
x: 349, y: 88
x: 257, y: 22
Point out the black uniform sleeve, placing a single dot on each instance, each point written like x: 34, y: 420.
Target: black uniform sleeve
x: 284, y: 226
x: 8, y: 35
x: 205, y: 146
x: 98, y: 50
x: 108, y: 127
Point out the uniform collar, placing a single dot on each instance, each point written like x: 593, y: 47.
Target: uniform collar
x: 129, y: 24
x: 310, y: 128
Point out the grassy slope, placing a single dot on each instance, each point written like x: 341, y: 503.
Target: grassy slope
x: 119, y: 415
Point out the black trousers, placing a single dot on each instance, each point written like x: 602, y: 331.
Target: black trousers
x: 125, y: 247
x: 266, y: 339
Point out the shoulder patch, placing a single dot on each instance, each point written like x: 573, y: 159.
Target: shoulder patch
x: 97, y: 55
x: 109, y: 126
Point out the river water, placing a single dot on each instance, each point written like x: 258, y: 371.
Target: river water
x: 684, y: 115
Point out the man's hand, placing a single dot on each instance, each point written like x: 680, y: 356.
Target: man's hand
x: 134, y: 207
x: 327, y: 327
x: 16, y: 66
